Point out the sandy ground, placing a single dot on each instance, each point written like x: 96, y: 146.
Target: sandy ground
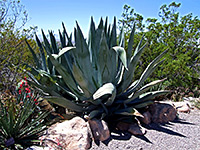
x: 182, y: 134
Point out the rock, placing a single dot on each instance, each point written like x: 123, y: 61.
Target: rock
x: 136, y: 129
x: 133, y: 128
x: 182, y: 106
x: 123, y: 126
x: 99, y: 129
x: 162, y: 112
x: 39, y: 148
x: 146, y: 119
x: 71, y: 134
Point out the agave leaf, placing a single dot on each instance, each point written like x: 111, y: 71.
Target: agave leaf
x: 148, y: 96
x: 113, y: 39
x: 46, y: 44
x: 62, y: 39
x: 107, y: 61
x: 130, y: 45
x: 121, y: 54
x: 69, y: 38
x: 34, y: 56
x: 65, y: 75
x: 128, y: 74
x: 121, y: 37
x: 44, y: 65
x: 150, y: 68
x: 53, y: 43
x: 63, y: 102
x: 106, y: 89
x: 95, y: 113
x: 87, y: 87
x: 143, y: 89
x: 82, y: 55
x: 131, y: 111
x: 144, y: 104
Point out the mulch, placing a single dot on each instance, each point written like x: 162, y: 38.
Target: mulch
x: 181, y: 134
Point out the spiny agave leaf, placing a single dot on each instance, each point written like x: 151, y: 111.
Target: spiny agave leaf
x: 82, y: 55
x: 42, y: 53
x: 130, y: 44
x: 46, y: 44
x: 100, y: 24
x: 128, y: 74
x: 62, y: 39
x: 53, y: 43
x: 130, y: 111
x: 92, y: 45
x: 143, y: 89
x: 106, y: 26
x: 121, y: 54
x: 68, y: 38
x: 148, y: 96
x: 63, y: 102
x: 34, y: 56
x: 107, y: 61
x: 121, y: 37
x: 65, y: 75
x: 87, y: 87
x: 113, y: 36
x: 144, y: 104
x: 150, y: 68
x: 138, y: 46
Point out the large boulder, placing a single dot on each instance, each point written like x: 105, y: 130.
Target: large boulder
x: 146, y: 119
x: 162, y: 112
x: 71, y: 134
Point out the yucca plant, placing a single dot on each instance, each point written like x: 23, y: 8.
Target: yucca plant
x: 20, y: 121
x: 93, y: 76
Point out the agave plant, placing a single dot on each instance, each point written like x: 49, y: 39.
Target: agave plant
x: 93, y: 76
x: 20, y: 121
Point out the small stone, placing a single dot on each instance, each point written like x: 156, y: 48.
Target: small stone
x: 146, y: 119
x: 136, y: 129
x: 182, y: 106
x: 99, y: 129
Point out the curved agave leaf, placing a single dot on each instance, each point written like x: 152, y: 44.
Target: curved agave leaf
x: 106, y: 89
x: 61, y: 101
x: 143, y: 89
x: 150, y: 68
x: 148, y: 96
x: 121, y: 54
x: 95, y: 113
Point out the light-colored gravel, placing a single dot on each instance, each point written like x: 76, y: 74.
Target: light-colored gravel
x: 183, y: 134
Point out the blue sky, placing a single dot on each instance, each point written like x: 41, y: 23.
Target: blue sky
x: 49, y: 14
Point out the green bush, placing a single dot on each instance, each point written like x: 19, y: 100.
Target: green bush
x: 179, y: 34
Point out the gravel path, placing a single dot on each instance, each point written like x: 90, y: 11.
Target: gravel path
x: 183, y: 134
